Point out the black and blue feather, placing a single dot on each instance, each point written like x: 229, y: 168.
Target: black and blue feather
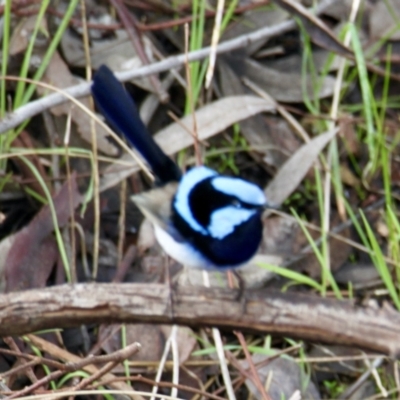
x: 121, y: 113
x: 214, y: 220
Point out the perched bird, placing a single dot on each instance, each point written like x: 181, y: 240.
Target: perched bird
x: 202, y: 219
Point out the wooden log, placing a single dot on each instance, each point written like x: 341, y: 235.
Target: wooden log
x: 301, y: 316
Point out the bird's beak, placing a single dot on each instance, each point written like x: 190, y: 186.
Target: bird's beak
x: 269, y: 206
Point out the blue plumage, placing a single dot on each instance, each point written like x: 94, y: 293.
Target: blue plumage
x: 121, y: 113
x: 213, y: 221
x: 181, y: 203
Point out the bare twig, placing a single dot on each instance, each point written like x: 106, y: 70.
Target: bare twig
x: 13, y: 346
x: 254, y: 374
x: 112, y: 358
x: 129, y: 22
x: 35, y: 107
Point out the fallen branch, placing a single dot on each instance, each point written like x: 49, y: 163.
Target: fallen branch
x: 296, y: 315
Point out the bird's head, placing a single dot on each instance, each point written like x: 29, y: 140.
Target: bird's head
x: 214, y: 205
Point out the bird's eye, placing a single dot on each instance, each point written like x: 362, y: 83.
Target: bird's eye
x: 236, y: 203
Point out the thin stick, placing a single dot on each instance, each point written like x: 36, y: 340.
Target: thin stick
x: 220, y: 351
x: 163, y: 360
x: 214, y: 42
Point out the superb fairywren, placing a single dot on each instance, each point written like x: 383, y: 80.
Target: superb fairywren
x: 201, y: 219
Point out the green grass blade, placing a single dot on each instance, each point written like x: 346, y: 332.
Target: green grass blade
x: 5, y: 53
x: 293, y: 275
x: 59, y: 238
x: 19, y: 92
x: 4, y: 63
x: 51, y: 49
x: 365, y: 90
x: 380, y: 263
x: 320, y: 258
x: 229, y: 13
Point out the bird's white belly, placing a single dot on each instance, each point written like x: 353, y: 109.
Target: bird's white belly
x: 181, y: 251
x: 185, y: 254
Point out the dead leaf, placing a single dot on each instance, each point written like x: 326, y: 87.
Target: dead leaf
x: 339, y: 10
x: 360, y: 275
x: 185, y: 339
x: 22, y: 33
x: 348, y: 177
x: 318, y: 30
x: 32, y: 253
x: 115, y: 50
x: 291, y: 62
x: 152, y: 339
x: 383, y: 18
x: 252, y: 20
x: 284, y: 376
x: 295, y: 169
x: 270, y: 135
x: 286, y: 87
x: 211, y: 119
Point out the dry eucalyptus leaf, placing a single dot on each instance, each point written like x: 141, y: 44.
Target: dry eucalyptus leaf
x: 252, y: 20
x: 185, y: 339
x: 318, y: 30
x: 115, y: 51
x: 360, y: 275
x: 22, y: 33
x: 286, y: 87
x: 150, y: 337
x: 295, y: 168
x: 290, y: 63
x: 348, y: 177
x: 284, y: 141
x: 211, y: 119
x: 383, y: 18
x: 284, y: 378
x: 339, y: 10
x: 33, y: 252
x: 269, y: 135
x: 280, y: 234
x: 117, y: 45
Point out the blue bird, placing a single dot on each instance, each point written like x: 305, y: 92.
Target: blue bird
x: 202, y: 219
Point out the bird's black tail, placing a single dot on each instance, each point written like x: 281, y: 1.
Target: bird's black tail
x: 121, y: 113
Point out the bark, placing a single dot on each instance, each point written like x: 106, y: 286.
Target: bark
x: 295, y: 315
